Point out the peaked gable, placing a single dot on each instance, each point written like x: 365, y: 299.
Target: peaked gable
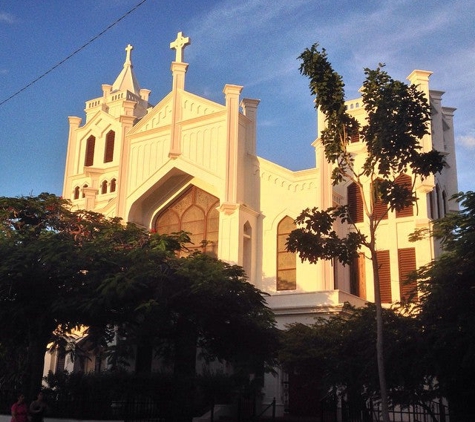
x: 98, y: 124
x: 192, y: 107
x: 158, y: 116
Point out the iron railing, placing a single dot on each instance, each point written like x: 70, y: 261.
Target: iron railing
x: 333, y: 409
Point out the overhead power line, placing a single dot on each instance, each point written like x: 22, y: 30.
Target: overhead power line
x: 73, y: 53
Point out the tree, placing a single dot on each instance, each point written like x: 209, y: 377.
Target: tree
x: 63, y: 269
x: 52, y: 260
x: 340, y: 352
x: 35, y: 279
x: 198, y: 303
x: 397, y: 119
x: 446, y: 309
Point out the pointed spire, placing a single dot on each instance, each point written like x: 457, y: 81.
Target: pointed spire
x: 126, y: 79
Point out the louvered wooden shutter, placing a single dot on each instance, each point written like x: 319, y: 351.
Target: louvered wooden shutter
x: 380, y: 209
x: 384, y: 276
x: 355, y: 203
x: 407, y: 264
x: 90, y: 145
x: 405, y: 180
x: 109, y: 149
x: 357, y: 277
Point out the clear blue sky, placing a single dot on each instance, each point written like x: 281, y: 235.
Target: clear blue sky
x: 254, y: 43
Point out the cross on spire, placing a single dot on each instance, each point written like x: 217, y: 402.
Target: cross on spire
x: 128, y: 49
x: 179, y: 45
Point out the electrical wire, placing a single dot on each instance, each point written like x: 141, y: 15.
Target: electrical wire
x: 73, y: 53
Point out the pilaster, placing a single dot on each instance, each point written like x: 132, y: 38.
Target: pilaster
x: 178, y: 71
x: 74, y: 123
x: 249, y: 109
x: 231, y: 93
x: 90, y: 194
x: 126, y: 123
x: 420, y: 78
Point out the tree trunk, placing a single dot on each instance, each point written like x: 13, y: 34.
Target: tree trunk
x: 379, y: 337
x: 184, y: 370
x: 144, y: 358
x: 33, y: 376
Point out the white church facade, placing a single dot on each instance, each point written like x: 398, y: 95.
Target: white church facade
x: 188, y: 163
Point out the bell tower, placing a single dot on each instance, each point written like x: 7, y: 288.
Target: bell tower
x: 97, y: 151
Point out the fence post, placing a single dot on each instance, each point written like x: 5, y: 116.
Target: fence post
x: 442, y: 411
x: 239, y: 409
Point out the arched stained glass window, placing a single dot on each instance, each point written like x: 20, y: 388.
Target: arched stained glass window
x: 286, y: 261
x: 195, y: 212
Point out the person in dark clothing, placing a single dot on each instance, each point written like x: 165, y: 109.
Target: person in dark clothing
x: 38, y: 408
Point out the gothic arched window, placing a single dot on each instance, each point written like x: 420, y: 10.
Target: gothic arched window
x: 104, y: 187
x: 286, y: 261
x: 444, y: 202
x: 194, y: 212
x: 247, y: 248
x: 437, y: 199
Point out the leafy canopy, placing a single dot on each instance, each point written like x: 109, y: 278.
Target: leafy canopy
x: 397, y: 118
x: 446, y: 308
x: 63, y: 269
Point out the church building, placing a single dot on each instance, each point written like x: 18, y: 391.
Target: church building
x: 188, y: 163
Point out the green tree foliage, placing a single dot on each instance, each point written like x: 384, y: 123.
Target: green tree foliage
x: 62, y: 269
x: 397, y: 119
x: 197, y: 303
x: 40, y: 280
x: 341, y: 353
x: 447, y: 309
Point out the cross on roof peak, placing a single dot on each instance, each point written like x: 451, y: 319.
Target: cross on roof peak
x: 128, y: 50
x: 179, y: 45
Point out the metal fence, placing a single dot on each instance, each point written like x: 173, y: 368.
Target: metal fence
x: 334, y: 409
x: 129, y: 410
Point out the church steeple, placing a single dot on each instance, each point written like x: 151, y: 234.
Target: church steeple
x: 126, y: 81
x: 124, y: 97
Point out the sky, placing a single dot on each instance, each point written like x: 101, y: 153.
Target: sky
x: 78, y: 45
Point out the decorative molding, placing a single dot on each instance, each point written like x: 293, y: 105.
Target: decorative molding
x: 228, y: 208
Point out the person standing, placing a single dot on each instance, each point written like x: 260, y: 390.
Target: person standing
x: 38, y: 408
x: 20, y: 410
